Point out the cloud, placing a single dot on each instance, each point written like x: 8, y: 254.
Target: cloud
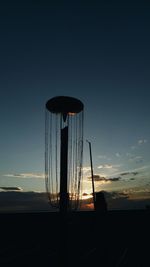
x: 115, y: 195
x: 105, y: 166
x: 114, y: 179
x: 109, y: 169
x: 139, y: 143
x: 137, y: 159
x: 86, y: 169
x: 11, y: 188
x: 142, y: 141
x: 102, y: 157
x: 98, y: 178
x: 142, y: 168
x: 26, y: 175
x: 128, y: 173
x: 135, y: 171
x: 138, y: 191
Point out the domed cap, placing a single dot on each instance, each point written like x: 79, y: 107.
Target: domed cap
x: 64, y: 105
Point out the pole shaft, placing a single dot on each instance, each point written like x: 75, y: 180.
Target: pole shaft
x: 64, y: 170
x: 63, y: 198
x: 92, y: 175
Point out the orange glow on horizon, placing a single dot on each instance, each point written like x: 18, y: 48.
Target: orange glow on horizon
x: 87, y: 206
x: 71, y: 113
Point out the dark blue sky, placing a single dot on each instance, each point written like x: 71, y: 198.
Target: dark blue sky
x: 97, y: 52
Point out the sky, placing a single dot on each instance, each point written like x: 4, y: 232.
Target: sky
x: 95, y: 51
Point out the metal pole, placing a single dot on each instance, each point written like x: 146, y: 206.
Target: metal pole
x: 64, y: 198
x: 64, y: 171
x: 92, y: 175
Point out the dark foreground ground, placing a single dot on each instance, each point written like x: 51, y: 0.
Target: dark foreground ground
x: 118, y: 238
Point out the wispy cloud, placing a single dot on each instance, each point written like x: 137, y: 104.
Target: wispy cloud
x: 109, y: 168
x: 114, y: 179
x: 86, y: 169
x: 137, y: 159
x: 132, y: 157
x: 105, y: 166
x: 136, y: 171
x: 99, y: 178
x: 128, y: 173
x: 104, y: 157
x: 25, y: 175
x: 140, y: 169
x: 142, y: 141
x: 11, y: 188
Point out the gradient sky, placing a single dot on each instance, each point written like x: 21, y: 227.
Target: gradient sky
x: 95, y: 51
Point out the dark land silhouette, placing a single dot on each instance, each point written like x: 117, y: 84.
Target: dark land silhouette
x: 113, y: 238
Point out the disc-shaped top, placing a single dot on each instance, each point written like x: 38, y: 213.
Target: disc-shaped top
x: 64, y: 105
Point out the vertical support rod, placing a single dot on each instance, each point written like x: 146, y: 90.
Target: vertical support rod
x: 92, y: 175
x: 64, y: 170
x: 63, y: 198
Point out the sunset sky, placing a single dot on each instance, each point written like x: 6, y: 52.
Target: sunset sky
x: 95, y: 51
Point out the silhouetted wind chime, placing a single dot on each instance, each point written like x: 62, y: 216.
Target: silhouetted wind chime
x: 63, y: 156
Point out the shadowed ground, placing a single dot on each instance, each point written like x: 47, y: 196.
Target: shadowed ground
x: 118, y: 238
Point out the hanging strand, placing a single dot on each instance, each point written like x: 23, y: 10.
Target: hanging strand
x: 54, y: 123
x: 50, y: 158
x: 80, y: 157
x: 46, y: 152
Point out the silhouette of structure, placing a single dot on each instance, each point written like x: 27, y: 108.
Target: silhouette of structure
x: 63, y: 160
x: 100, y: 202
x: 92, y: 174
x: 98, y: 197
x: 64, y: 151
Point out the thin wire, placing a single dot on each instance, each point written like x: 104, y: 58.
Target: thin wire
x: 80, y: 158
x: 82, y: 135
x: 50, y: 158
x: 46, y: 151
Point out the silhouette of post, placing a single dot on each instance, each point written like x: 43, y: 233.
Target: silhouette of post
x: 92, y: 175
x: 63, y: 160
x: 63, y: 197
x: 100, y: 203
x: 64, y: 170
